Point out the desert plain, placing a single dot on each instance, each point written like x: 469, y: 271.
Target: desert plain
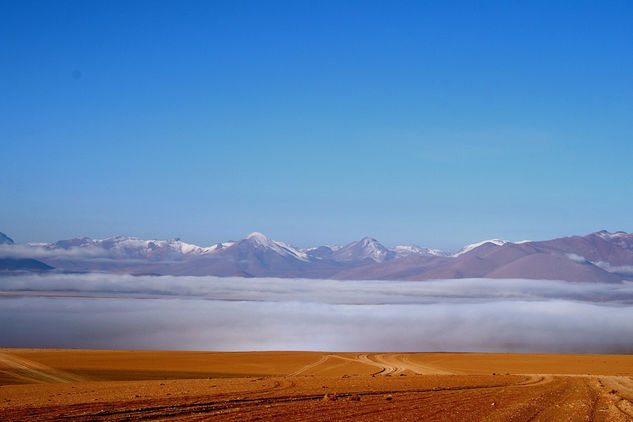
x: 83, y: 385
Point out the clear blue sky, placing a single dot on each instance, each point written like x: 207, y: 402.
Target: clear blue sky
x: 436, y: 123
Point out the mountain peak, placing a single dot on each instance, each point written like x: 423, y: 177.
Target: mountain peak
x: 468, y: 248
x: 408, y: 250
x: 368, y: 241
x: 365, y: 248
x: 6, y: 240
x: 259, y: 239
x: 257, y: 236
x: 608, y: 235
x: 599, y: 256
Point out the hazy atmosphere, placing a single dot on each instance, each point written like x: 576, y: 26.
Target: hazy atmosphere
x: 316, y: 122
x: 209, y: 313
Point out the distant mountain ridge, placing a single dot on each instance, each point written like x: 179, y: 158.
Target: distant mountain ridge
x: 18, y: 264
x: 5, y: 240
x: 22, y: 264
x: 598, y: 257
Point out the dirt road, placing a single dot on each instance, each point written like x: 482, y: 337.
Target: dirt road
x: 380, y: 364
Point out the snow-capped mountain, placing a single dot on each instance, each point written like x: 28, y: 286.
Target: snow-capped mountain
x: 412, y: 250
x: 321, y: 252
x: 366, y: 249
x: 468, y: 248
x: 622, y: 239
x: 258, y: 240
x: 124, y: 247
x: 601, y: 256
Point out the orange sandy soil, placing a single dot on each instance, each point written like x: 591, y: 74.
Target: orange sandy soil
x: 37, y: 384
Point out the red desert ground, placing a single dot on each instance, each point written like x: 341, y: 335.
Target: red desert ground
x: 87, y: 385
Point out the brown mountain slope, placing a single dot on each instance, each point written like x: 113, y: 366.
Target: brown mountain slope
x: 543, y: 266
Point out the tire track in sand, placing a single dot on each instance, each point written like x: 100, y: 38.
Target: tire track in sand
x: 386, y: 363
x: 400, y: 362
x: 240, y: 407
x: 622, y: 389
x: 397, y: 363
x: 360, y: 358
x: 385, y: 368
x: 310, y: 366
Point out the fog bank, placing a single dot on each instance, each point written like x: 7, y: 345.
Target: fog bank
x: 210, y: 313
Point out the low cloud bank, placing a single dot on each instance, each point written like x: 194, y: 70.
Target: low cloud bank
x: 364, y: 292
x: 39, y: 252
x: 210, y: 313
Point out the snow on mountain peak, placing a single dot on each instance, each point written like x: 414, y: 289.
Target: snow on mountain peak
x: 365, y: 248
x: 261, y: 240
x: 403, y: 250
x: 620, y: 238
x: 376, y: 251
x: 468, y: 248
x: 130, y: 247
x: 609, y: 236
x: 367, y: 240
x: 258, y: 237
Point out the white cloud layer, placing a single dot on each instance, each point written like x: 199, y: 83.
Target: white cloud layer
x: 210, y: 313
x: 39, y: 252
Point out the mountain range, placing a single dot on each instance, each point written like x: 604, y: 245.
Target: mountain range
x: 598, y: 257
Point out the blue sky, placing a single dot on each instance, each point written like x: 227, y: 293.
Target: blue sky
x: 436, y: 123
